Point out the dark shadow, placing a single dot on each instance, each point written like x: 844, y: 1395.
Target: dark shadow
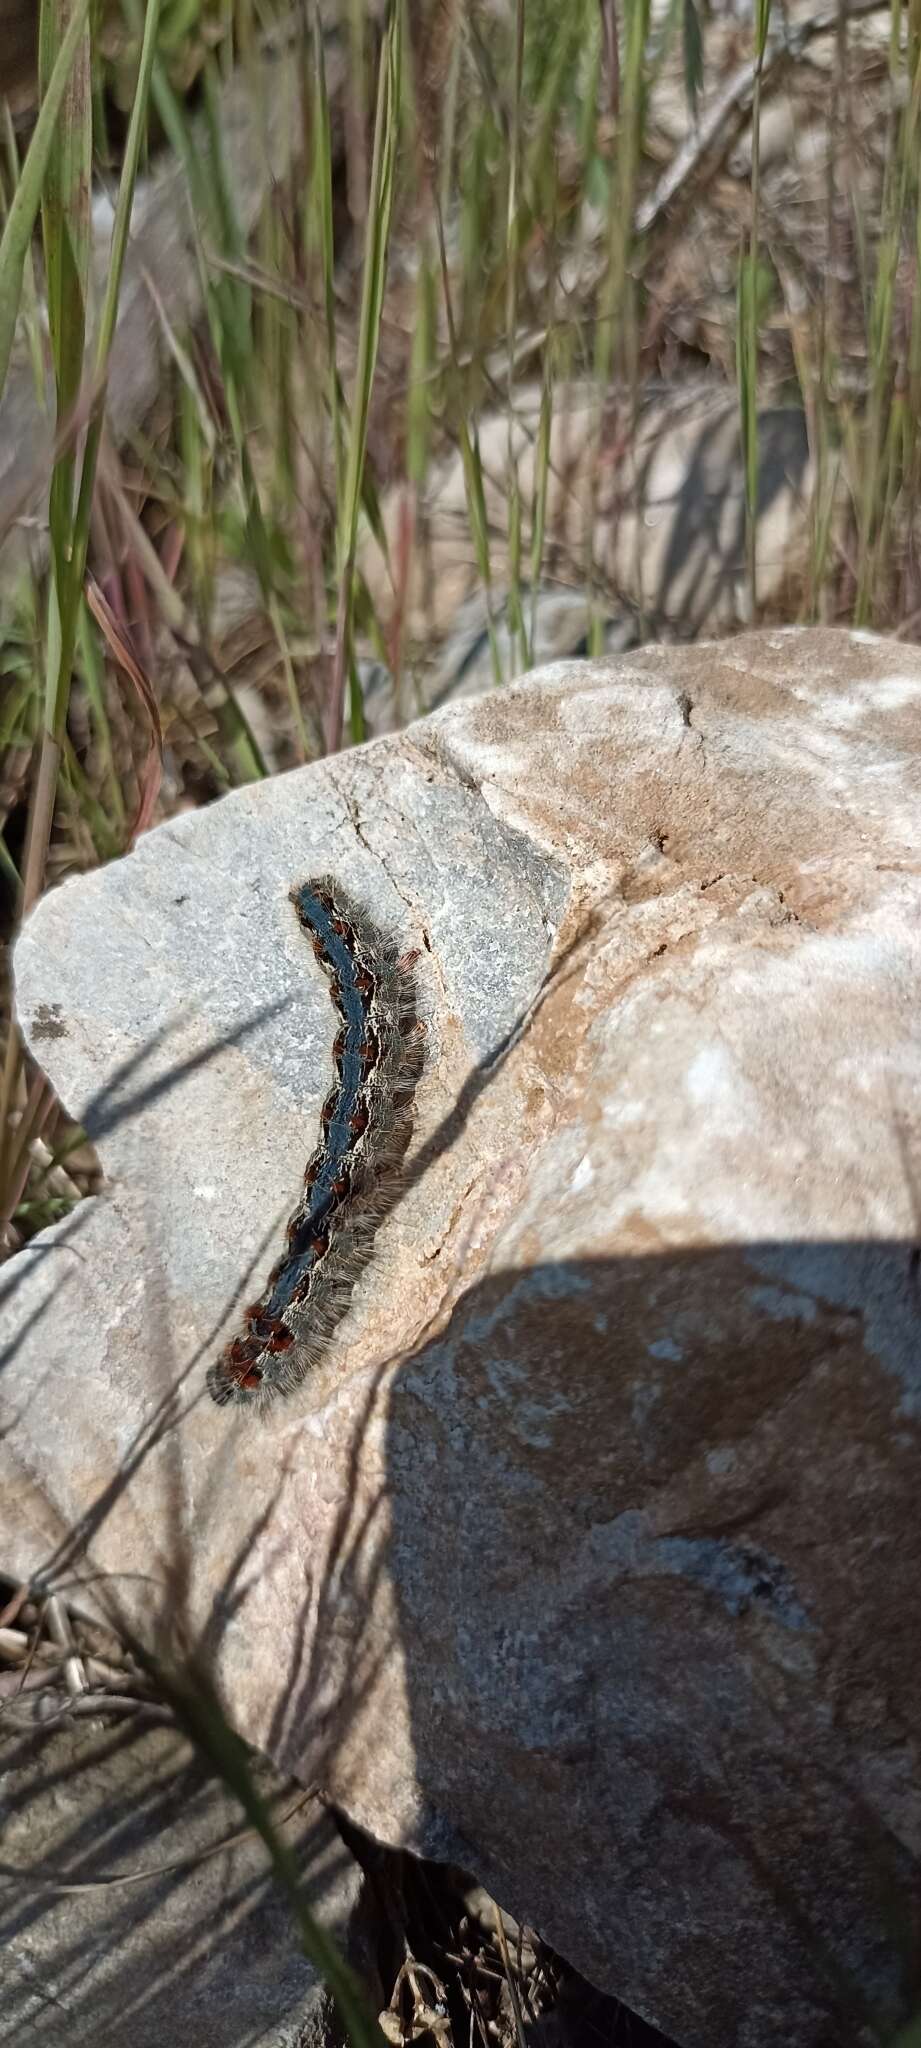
x: 441, y: 1918
x: 651, y: 1525
x: 701, y: 558
x: 653, y: 1530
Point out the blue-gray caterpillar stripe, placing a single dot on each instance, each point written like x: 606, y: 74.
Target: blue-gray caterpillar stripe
x: 350, y: 1181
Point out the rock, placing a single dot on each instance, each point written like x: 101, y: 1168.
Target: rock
x: 205, y: 1951
x: 667, y: 525
x: 558, y: 622
x: 590, y: 1558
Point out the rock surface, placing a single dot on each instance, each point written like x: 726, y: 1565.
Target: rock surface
x: 126, y: 1925
x: 667, y: 526
x: 591, y: 1558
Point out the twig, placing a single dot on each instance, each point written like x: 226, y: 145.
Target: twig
x: 60, y: 1632
x: 14, y: 1605
x: 734, y: 99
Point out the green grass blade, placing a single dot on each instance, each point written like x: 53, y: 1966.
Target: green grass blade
x: 556, y: 81
x: 512, y: 238
x: 31, y: 317
x: 26, y: 200
x: 615, y: 350
x: 120, y: 230
x: 66, y: 229
x: 321, y: 195
x: 201, y: 1715
x: 479, y: 531
x: 541, y: 485
x: 747, y: 324
x: 66, y: 236
x: 67, y: 241
x: 747, y: 381
x: 421, y: 368
x: 377, y: 242
x: 380, y: 212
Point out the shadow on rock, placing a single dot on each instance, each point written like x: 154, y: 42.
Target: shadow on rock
x: 654, y: 1536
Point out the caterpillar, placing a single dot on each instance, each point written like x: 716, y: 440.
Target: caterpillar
x: 365, y: 1125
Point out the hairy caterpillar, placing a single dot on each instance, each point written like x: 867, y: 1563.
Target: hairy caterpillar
x: 349, y: 1183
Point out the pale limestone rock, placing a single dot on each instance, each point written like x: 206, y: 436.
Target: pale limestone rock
x: 665, y: 511
x: 591, y: 1558
x: 143, y: 1911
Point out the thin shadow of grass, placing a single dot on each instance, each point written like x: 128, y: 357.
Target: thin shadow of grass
x: 320, y: 1686
x: 102, y: 1114
x: 15, y: 1273
x: 123, y: 1899
x: 352, y: 1571
x: 180, y: 1669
